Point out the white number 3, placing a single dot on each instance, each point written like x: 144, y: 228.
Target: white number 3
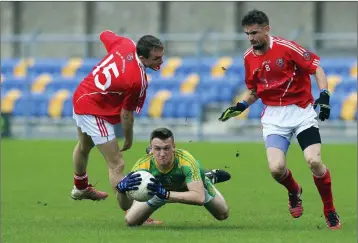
x: 267, y: 67
x: 106, y: 72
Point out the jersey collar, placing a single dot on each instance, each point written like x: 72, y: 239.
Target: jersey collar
x: 165, y: 171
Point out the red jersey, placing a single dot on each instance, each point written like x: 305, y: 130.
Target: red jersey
x: 282, y: 75
x: 118, y: 81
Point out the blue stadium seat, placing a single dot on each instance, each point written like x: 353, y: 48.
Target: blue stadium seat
x: 23, y: 84
x: 67, y: 108
x: 51, y: 66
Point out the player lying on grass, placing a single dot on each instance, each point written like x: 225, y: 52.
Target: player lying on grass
x: 278, y: 71
x: 179, y: 178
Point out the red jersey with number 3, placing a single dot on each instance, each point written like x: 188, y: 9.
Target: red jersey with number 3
x: 118, y: 81
x: 282, y: 75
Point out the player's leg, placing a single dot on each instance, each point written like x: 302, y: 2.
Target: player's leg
x: 310, y: 142
x: 140, y: 212
x: 81, y: 189
x: 215, y: 202
x: 277, y: 138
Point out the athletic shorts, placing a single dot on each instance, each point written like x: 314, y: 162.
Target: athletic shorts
x: 287, y: 120
x: 210, y: 193
x: 98, y: 129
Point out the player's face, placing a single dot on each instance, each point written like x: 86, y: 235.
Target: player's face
x: 155, y: 59
x: 163, y: 150
x: 257, y: 35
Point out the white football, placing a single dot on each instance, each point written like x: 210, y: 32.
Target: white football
x: 141, y: 195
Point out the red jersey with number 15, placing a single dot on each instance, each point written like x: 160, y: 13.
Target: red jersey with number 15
x: 118, y: 81
x: 282, y: 75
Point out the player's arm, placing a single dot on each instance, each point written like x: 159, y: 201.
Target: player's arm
x: 249, y: 98
x: 194, y: 196
x: 321, y: 78
x: 128, y: 183
x: 109, y: 38
x: 127, y: 121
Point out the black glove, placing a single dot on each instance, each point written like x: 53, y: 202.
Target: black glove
x: 233, y: 111
x: 323, y: 102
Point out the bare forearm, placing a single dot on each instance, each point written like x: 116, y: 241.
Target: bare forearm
x: 250, y: 97
x: 189, y: 197
x: 125, y: 201
x: 127, y: 121
x: 321, y: 78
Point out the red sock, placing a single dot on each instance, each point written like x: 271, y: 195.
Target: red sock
x: 81, y: 181
x: 290, y: 183
x: 323, y: 184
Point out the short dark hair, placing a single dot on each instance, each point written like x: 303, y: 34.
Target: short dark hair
x: 162, y: 133
x: 255, y: 17
x: 147, y: 43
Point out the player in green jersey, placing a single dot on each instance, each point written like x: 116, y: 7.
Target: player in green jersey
x: 179, y: 179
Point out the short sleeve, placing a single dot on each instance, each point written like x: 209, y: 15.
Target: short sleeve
x: 305, y: 60
x: 249, y: 80
x: 190, y: 167
x: 135, y: 97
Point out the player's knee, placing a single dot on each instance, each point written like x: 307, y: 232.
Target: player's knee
x: 116, y: 163
x: 314, y: 162
x: 223, y: 216
x: 130, y: 222
x: 84, y: 148
x: 277, y: 169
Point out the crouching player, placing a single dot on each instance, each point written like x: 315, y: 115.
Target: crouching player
x: 178, y: 179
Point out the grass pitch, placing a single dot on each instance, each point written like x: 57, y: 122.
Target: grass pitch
x: 37, y: 177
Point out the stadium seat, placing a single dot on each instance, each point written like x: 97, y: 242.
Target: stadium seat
x: 190, y: 83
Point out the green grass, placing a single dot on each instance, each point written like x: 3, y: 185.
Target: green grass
x: 37, y: 177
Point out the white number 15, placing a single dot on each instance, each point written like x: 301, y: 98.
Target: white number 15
x: 106, y: 72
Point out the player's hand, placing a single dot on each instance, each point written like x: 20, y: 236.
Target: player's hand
x: 323, y: 103
x: 127, y: 145
x: 232, y: 111
x: 129, y: 183
x: 156, y: 188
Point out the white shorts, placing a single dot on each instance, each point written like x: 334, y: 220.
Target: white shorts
x: 287, y: 120
x: 98, y: 129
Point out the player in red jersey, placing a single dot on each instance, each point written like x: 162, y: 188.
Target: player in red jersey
x: 278, y: 71
x: 110, y: 94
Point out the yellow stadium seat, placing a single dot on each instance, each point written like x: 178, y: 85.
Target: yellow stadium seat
x: 157, y: 103
x: 9, y: 99
x: 349, y: 107
x: 354, y: 71
x: 21, y: 68
x: 57, y: 102
x: 218, y: 70
x: 333, y: 80
x: 70, y: 70
x: 41, y: 82
x: 170, y: 67
x: 189, y: 85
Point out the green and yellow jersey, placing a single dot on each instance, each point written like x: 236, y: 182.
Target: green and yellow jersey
x: 185, y: 169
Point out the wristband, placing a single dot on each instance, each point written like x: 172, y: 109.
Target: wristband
x: 325, y: 90
x: 245, y: 103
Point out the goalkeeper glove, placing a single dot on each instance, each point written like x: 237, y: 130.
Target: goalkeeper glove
x: 233, y: 111
x: 156, y: 188
x: 323, y: 103
x: 129, y: 183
